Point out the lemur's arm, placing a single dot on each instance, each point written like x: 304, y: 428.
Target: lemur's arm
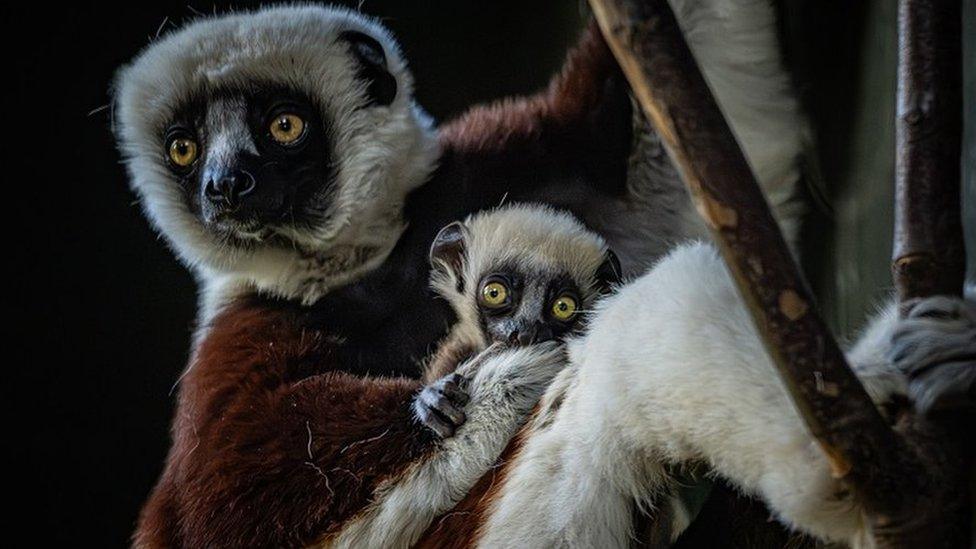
x: 674, y: 372
x: 505, y: 385
x: 263, y: 423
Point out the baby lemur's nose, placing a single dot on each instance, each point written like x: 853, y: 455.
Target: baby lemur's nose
x: 528, y: 335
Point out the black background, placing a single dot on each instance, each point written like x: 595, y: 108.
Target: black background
x: 101, y: 311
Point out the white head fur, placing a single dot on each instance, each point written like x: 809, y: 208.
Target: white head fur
x: 533, y: 239
x: 380, y: 152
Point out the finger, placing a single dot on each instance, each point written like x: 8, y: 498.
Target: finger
x: 950, y: 387
x: 458, y: 379
x: 429, y: 418
x: 937, y: 307
x: 439, y: 426
x: 456, y: 394
x: 447, y: 409
x: 918, y: 351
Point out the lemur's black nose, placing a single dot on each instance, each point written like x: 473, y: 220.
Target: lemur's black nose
x: 229, y: 188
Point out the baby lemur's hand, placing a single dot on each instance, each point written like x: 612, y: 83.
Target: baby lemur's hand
x: 440, y: 405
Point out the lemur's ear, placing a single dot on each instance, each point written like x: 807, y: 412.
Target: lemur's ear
x: 448, y: 248
x: 381, y: 87
x: 609, y: 272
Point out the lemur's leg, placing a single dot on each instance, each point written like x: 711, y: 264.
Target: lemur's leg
x: 736, y: 45
x: 672, y: 371
x: 504, y: 386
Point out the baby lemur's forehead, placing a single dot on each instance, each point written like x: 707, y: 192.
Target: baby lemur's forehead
x: 533, y: 240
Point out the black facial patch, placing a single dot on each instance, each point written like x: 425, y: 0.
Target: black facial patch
x: 256, y: 181
x: 381, y: 86
x: 528, y: 317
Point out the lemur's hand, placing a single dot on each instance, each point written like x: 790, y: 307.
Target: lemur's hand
x: 440, y: 405
x: 935, y: 346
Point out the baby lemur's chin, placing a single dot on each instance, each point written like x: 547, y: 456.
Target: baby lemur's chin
x: 515, y: 276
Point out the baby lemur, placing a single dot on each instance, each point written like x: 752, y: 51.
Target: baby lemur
x: 514, y: 276
x: 519, y: 278
x: 643, y: 387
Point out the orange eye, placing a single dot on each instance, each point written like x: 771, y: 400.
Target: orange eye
x: 287, y: 128
x: 183, y: 151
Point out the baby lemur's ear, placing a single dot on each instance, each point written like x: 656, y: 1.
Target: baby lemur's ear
x: 448, y: 248
x: 609, y: 272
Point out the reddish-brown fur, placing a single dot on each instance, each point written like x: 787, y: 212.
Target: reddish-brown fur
x: 569, y: 101
x: 446, y: 360
x: 271, y: 445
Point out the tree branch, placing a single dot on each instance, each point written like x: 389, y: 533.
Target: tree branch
x: 898, y: 478
x: 929, y: 255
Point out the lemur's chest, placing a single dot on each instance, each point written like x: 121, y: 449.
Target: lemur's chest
x: 388, y: 322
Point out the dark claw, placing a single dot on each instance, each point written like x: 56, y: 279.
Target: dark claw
x: 439, y: 405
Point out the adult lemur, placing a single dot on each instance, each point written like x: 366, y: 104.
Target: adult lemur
x: 281, y: 155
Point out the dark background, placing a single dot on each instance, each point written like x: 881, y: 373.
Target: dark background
x: 102, y: 312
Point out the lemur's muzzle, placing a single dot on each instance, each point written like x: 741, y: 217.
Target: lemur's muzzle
x: 227, y: 190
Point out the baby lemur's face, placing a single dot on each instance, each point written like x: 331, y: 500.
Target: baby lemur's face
x: 521, y: 307
x: 521, y: 274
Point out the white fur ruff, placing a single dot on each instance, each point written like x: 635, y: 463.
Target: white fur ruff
x: 382, y: 152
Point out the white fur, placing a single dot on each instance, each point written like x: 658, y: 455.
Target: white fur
x: 735, y: 44
x: 505, y: 383
x: 382, y: 152
x: 505, y: 386
x: 531, y: 238
x: 672, y: 371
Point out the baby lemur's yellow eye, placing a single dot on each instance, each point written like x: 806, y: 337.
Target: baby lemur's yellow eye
x: 494, y: 294
x: 287, y: 128
x: 183, y: 151
x: 564, y: 308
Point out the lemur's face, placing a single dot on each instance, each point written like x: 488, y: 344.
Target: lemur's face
x: 520, y: 308
x: 276, y: 146
x: 252, y: 165
x: 521, y: 274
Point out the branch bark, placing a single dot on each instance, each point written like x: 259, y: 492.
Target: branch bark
x: 929, y: 255
x: 899, y: 478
